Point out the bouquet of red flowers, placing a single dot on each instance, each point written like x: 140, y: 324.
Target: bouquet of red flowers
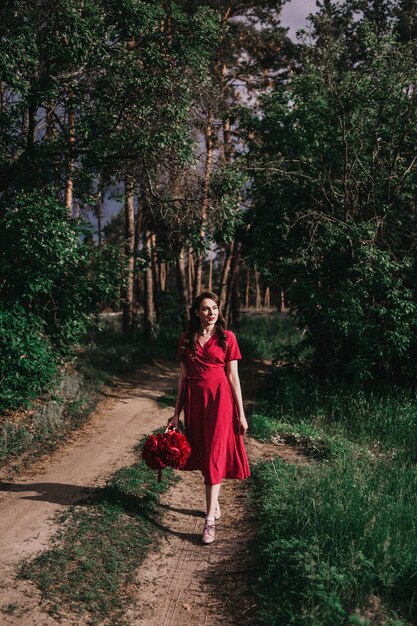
x: 168, y: 448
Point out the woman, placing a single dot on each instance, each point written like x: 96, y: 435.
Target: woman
x: 209, y: 391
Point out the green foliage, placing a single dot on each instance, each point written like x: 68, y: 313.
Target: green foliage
x: 330, y: 536
x: 334, y: 204
x: 50, y: 283
x: 383, y: 418
x: 46, y: 267
x: 106, y: 353
x: 337, y: 535
x: 27, y: 360
x: 227, y: 185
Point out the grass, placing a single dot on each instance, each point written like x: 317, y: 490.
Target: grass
x: 330, y: 537
x: 103, y: 540
x: 107, y: 353
x: 267, y: 336
x: 336, y: 539
x: 384, y: 419
x: 168, y: 399
x: 101, y: 544
x: 22, y: 442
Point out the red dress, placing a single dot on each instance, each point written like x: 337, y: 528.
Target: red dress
x: 211, y: 421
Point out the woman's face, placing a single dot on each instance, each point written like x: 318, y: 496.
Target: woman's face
x: 208, y: 312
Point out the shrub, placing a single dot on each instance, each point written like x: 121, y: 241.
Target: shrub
x: 51, y: 280
x: 27, y: 361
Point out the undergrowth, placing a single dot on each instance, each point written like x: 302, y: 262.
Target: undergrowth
x: 265, y: 336
x: 337, y: 538
x: 384, y: 419
x: 103, y: 355
x: 22, y: 442
x: 330, y: 537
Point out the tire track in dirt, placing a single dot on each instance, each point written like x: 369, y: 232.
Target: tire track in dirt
x: 182, y: 582
x: 28, y: 504
x: 187, y: 583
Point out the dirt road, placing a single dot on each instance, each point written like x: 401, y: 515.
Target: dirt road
x: 184, y: 582
x: 28, y: 505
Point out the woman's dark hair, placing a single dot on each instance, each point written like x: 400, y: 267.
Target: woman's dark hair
x: 194, y: 321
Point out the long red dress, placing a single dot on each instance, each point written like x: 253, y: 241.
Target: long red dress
x: 210, y: 416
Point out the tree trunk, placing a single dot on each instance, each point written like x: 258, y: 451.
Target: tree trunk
x: 99, y: 211
x: 257, y: 290
x: 138, y: 277
x: 227, y: 140
x: 190, y: 274
x: 247, y: 288
x: 267, y: 298
x: 162, y: 274
x: 234, y: 269
x: 236, y: 318
x: 204, y: 203
x: 69, y: 185
x: 225, y: 273
x: 210, y: 278
x: 182, y: 288
x: 155, y: 275
x: 226, y: 286
x: 282, y: 300
x: 149, y: 309
x: 50, y: 126
x: 128, y: 304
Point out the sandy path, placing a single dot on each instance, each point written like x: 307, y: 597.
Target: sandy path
x: 28, y: 505
x: 183, y: 582
x: 187, y: 583
x: 190, y: 584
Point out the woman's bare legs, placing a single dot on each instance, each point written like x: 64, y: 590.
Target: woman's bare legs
x: 212, y: 497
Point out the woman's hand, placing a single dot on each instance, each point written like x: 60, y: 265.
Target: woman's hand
x: 243, y: 425
x: 173, y: 421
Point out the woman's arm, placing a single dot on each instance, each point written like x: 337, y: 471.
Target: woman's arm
x: 178, y: 403
x: 233, y: 377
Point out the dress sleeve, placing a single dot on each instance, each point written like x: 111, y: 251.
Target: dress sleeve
x: 180, y: 356
x: 232, y: 351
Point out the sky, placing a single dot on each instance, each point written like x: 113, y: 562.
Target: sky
x: 294, y: 15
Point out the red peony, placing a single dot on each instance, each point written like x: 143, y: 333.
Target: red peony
x: 169, y: 448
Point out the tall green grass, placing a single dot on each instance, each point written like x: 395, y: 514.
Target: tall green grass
x: 333, y: 535
x: 267, y: 335
x: 382, y: 418
x: 337, y: 539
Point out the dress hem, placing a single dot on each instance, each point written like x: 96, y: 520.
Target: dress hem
x: 226, y: 477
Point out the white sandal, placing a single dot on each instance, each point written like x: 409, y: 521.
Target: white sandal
x: 208, y: 532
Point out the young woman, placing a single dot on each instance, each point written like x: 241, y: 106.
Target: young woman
x: 209, y: 392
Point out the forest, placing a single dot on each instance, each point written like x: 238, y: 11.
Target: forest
x: 150, y: 150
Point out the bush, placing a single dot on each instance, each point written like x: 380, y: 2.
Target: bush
x: 334, y: 212
x: 27, y: 360
x: 51, y: 280
x: 47, y: 266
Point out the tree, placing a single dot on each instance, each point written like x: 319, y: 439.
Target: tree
x: 335, y: 173
x: 51, y: 281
